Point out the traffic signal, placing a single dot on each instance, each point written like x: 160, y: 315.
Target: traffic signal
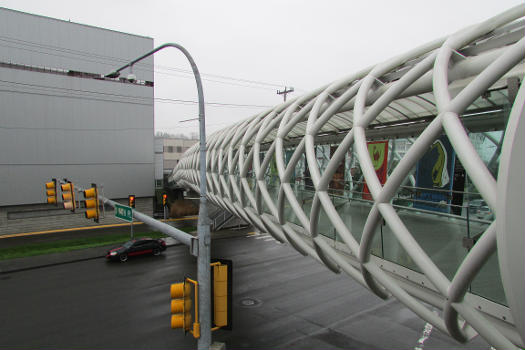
x: 181, y: 307
x: 221, y: 290
x: 51, y: 192
x: 131, y: 201
x: 164, y: 199
x: 91, y: 203
x: 68, y: 195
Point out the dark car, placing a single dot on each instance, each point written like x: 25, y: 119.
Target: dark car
x: 137, y: 247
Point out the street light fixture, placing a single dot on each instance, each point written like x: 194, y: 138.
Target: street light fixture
x: 203, y: 226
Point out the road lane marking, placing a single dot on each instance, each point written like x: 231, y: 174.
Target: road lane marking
x: 427, y: 331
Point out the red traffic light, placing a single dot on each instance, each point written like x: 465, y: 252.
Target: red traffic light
x: 131, y: 200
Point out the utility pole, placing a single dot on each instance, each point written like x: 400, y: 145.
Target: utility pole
x: 285, y: 92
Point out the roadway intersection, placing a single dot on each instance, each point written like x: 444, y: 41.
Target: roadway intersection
x: 281, y: 300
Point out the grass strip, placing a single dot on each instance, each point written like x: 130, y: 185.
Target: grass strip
x: 74, y: 244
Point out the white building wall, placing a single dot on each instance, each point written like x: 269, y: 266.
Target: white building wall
x: 86, y: 130
x: 174, y: 149
x: 159, y: 161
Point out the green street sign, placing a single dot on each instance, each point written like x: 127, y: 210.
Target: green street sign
x: 123, y: 212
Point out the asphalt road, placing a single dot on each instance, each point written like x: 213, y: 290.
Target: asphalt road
x: 282, y: 300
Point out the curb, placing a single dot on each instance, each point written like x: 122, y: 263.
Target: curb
x: 49, y: 265
x: 58, y: 263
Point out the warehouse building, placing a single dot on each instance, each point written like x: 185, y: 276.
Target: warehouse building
x: 61, y: 118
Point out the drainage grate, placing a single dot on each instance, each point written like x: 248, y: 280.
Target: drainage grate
x: 250, y: 302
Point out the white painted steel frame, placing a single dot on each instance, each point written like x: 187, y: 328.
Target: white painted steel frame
x: 443, y: 78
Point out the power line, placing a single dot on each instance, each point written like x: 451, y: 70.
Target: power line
x: 136, y: 98
x: 197, y: 126
x: 159, y: 99
x: 220, y: 76
x: 148, y: 70
x: 172, y: 101
x: 120, y: 60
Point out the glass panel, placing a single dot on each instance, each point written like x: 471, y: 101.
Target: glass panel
x: 305, y: 198
x: 441, y: 238
x: 289, y: 214
x: 325, y: 226
x: 487, y: 283
x: 488, y: 145
x: 273, y: 183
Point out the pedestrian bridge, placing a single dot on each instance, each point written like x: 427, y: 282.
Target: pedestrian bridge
x: 407, y: 176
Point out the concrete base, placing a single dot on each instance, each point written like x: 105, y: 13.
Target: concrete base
x: 218, y: 346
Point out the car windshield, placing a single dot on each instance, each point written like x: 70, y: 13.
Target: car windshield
x: 128, y: 244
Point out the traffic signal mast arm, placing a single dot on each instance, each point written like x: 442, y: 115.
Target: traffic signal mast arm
x: 221, y: 314
x: 181, y: 236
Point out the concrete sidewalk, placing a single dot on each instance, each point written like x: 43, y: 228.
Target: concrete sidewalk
x: 39, y: 261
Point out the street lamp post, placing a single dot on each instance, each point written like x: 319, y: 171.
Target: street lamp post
x: 203, y: 226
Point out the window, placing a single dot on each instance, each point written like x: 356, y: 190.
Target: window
x: 170, y: 149
x: 179, y: 149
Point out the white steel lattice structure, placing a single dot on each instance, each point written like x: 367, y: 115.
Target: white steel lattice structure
x: 452, y: 86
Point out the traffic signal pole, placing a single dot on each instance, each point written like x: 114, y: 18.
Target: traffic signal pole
x: 203, y: 225
x: 203, y: 230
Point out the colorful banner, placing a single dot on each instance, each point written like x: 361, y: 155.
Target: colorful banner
x: 378, y: 151
x: 434, y: 177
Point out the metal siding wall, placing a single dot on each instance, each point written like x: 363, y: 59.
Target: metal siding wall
x: 60, y: 126
x: 48, y: 42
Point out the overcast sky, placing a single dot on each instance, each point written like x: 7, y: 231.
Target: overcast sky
x: 247, y: 50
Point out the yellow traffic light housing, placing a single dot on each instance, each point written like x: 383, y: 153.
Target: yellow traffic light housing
x: 91, y: 203
x: 131, y: 201
x: 51, y: 192
x: 221, y: 290
x: 164, y: 199
x: 68, y: 195
x: 181, y: 307
x: 221, y: 299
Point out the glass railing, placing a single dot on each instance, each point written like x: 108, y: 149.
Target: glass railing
x: 488, y: 284
x: 445, y: 235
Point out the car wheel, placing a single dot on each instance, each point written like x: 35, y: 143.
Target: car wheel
x: 123, y: 257
x: 156, y: 251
